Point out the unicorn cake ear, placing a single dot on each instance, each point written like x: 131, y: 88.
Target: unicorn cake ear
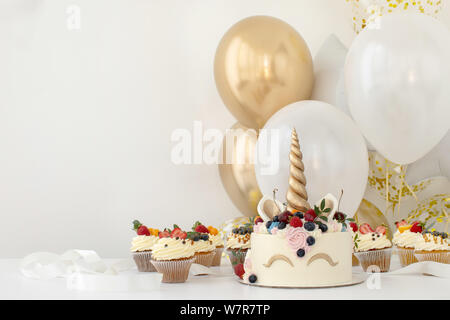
x: 330, y: 202
x: 269, y: 208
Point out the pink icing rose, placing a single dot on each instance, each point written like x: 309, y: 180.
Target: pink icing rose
x: 296, y: 238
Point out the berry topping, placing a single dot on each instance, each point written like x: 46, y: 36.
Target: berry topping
x: 310, y: 215
x: 365, y: 228
x: 299, y: 214
x: 164, y: 234
x: 258, y: 219
x: 143, y: 231
x: 268, y: 223
x: 296, y: 222
x: 199, y: 227
x: 401, y: 223
x: 204, y: 237
x: 416, y: 227
x: 140, y: 229
x: 275, y: 219
x: 177, y: 232
x: 252, y: 278
x: 381, y: 230
x: 354, y: 226
x: 239, y: 270
x: 339, y: 216
x: 310, y: 226
x: 310, y: 240
x: 284, y: 217
x: 323, y: 227
x: 300, y: 253
x: 282, y: 225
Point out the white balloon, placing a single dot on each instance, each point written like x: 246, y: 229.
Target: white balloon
x: 334, y: 153
x: 397, y: 77
x: 329, y: 76
x: 435, y: 163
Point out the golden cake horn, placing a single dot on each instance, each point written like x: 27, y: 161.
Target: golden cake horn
x: 297, y: 197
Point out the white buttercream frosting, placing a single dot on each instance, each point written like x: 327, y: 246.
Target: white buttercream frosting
x: 371, y: 241
x: 238, y: 241
x: 204, y: 246
x: 172, y: 249
x: 143, y: 243
x: 405, y: 239
x: 429, y: 242
x: 216, y: 240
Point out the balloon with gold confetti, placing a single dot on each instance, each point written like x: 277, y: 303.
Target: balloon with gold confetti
x: 388, y: 191
x: 365, y: 12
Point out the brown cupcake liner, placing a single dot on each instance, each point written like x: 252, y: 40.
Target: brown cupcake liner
x: 355, y: 261
x: 378, y: 257
x: 436, y: 256
x: 174, y: 271
x: 406, y: 256
x: 204, y: 258
x: 142, y: 260
x: 236, y: 256
x: 217, y: 257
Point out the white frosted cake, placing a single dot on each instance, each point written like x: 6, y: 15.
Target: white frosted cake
x: 301, y: 246
x: 275, y: 263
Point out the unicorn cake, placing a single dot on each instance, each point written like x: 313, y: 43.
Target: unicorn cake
x: 301, y: 246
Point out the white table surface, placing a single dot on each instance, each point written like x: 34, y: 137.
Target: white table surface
x: 224, y: 285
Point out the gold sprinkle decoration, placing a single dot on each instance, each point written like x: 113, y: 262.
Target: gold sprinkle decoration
x: 366, y: 12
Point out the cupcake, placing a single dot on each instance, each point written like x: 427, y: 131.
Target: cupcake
x: 353, y: 231
x: 404, y: 240
x: 204, y: 248
x: 173, y: 255
x: 238, y: 243
x: 141, y: 246
x: 372, y: 247
x: 217, y: 241
x: 433, y: 247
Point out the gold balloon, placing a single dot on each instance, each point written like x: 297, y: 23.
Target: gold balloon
x: 237, y: 172
x: 262, y: 64
x: 369, y: 213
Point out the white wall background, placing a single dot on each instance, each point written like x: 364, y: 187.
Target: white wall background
x: 86, y: 116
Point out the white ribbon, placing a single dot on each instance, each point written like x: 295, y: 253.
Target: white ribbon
x: 441, y: 270
x: 84, y: 270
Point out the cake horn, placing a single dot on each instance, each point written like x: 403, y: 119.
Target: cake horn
x: 297, y: 197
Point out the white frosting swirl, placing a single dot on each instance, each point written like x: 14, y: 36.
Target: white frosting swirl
x: 204, y: 246
x: 405, y: 239
x: 171, y: 249
x: 429, y: 242
x: 143, y: 243
x: 372, y: 240
x: 216, y: 240
x: 238, y: 241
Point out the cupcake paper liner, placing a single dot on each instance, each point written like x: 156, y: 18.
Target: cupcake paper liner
x: 355, y: 261
x: 406, y: 256
x: 379, y: 257
x: 173, y: 271
x: 142, y: 260
x: 217, y: 257
x: 436, y: 256
x: 236, y: 256
x: 204, y: 258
